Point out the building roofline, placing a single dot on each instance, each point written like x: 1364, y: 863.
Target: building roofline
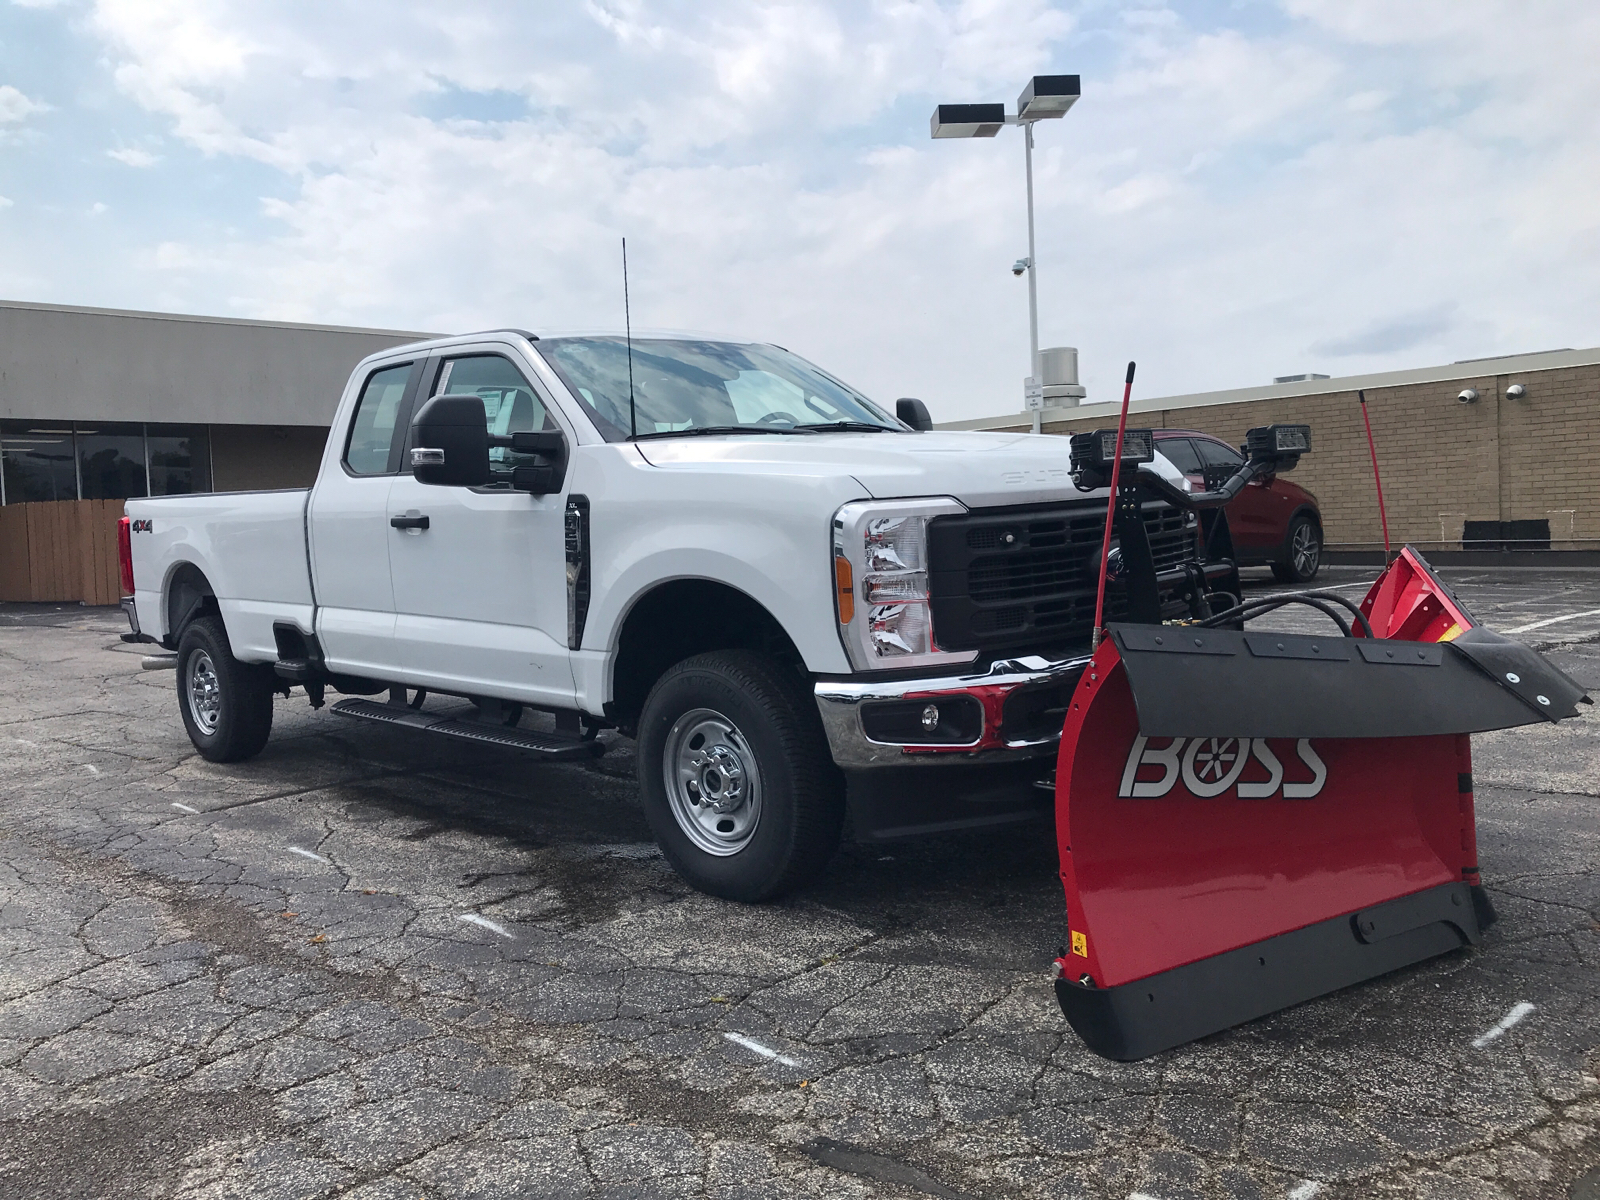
x: 195, y: 319
x: 1473, y: 368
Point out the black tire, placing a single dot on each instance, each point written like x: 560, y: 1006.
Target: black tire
x: 1304, y: 552
x: 755, y: 721
x: 226, y: 704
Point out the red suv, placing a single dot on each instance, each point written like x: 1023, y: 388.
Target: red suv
x: 1272, y: 521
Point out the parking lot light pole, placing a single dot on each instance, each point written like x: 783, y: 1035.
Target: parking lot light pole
x: 1045, y: 97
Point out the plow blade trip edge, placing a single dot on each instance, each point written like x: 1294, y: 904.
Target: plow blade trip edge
x: 1166, y: 1010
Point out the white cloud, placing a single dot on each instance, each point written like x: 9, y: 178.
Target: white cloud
x: 6, y: 202
x: 1327, y: 190
x: 16, y: 107
x: 133, y: 157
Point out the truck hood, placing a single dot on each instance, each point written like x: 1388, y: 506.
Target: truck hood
x: 979, y: 469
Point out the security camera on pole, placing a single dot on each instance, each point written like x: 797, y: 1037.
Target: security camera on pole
x: 1054, y: 374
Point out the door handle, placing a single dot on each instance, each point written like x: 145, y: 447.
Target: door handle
x: 409, y: 522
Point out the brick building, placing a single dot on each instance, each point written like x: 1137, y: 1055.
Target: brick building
x: 1502, y: 471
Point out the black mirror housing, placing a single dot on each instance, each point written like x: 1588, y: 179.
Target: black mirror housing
x: 914, y: 413
x: 546, y: 476
x: 450, y: 442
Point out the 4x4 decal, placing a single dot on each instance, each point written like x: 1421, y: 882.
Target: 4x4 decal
x: 1210, y: 766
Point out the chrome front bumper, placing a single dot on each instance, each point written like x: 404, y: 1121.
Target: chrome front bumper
x: 840, y: 701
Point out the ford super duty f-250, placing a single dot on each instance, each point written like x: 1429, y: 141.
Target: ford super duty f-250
x: 801, y: 606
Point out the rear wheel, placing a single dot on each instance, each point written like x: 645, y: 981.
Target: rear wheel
x: 226, y: 704
x: 1305, y: 552
x: 736, y: 778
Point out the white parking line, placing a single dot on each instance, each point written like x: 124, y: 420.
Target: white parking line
x: 1593, y: 612
x: 1518, y: 1012
x: 308, y: 854
x: 485, y: 923
x: 756, y: 1047
x: 184, y: 808
x: 1304, y: 1191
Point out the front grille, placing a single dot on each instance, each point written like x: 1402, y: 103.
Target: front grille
x: 1006, y: 579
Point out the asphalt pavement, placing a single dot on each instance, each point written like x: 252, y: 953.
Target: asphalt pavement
x: 379, y: 966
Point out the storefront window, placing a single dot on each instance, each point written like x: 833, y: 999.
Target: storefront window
x: 111, y: 461
x: 37, y: 461
x: 101, y: 460
x: 180, y: 459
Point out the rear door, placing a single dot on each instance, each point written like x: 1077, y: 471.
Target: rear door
x: 481, y: 593
x: 348, y: 527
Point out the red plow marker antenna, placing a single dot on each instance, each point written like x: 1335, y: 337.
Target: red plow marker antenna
x: 1373, y: 448
x: 1111, y: 508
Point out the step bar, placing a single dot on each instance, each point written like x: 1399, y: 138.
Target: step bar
x: 546, y: 745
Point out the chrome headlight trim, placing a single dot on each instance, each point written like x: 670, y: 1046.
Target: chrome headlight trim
x: 885, y: 542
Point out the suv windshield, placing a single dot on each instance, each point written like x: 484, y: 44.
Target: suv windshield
x: 685, y: 387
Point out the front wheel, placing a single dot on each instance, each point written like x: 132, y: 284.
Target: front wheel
x: 736, y: 777
x: 226, y: 704
x: 1305, y: 553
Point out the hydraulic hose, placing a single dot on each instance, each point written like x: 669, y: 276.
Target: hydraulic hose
x: 1318, y: 600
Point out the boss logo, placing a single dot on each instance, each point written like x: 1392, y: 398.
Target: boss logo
x: 1046, y: 476
x: 141, y: 526
x: 1210, y: 766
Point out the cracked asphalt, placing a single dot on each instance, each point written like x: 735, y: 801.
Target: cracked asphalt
x: 261, y: 981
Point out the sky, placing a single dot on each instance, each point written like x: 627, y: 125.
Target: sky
x: 1247, y: 188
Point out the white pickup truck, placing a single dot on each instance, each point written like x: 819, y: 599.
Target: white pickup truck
x: 800, y: 606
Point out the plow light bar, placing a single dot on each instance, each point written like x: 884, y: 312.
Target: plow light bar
x: 1277, y: 443
x: 1091, y: 454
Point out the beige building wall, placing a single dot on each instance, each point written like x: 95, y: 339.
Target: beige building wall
x: 1443, y: 462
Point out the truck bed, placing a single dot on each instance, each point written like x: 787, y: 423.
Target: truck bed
x: 251, y: 548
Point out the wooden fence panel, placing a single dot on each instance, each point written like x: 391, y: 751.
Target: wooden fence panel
x: 48, y: 552
x: 60, y: 551
x: 97, y: 535
x: 16, y: 580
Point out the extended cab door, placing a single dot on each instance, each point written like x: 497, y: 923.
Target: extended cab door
x: 348, y: 526
x: 480, y: 592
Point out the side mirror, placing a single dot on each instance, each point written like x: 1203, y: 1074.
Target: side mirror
x: 450, y: 442
x: 914, y: 413
x: 545, y: 477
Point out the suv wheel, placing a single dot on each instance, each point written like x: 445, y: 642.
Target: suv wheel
x: 1305, y: 552
x: 736, y: 777
x: 226, y: 704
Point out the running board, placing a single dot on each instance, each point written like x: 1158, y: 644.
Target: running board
x: 546, y: 745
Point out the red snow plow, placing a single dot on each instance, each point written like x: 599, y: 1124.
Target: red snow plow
x: 1248, y: 819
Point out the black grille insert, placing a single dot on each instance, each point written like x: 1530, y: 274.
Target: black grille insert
x: 1004, y: 579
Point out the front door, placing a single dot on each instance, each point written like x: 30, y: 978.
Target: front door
x: 1255, y: 518
x: 480, y: 594
x: 348, y: 529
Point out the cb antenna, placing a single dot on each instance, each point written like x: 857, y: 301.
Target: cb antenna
x: 627, y: 326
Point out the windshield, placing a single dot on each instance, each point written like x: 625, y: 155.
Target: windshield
x: 685, y: 387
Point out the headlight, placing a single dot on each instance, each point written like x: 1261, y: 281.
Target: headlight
x: 880, y: 570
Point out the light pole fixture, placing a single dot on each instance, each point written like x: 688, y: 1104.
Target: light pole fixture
x: 1045, y: 97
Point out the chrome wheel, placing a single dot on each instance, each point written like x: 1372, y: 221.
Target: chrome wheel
x: 205, y: 692
x: 713, y: 782
x: 1305, y: 550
